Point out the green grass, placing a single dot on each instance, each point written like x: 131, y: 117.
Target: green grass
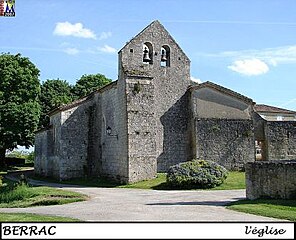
x: 27, y: 217
x: 101, y: 182
x: 235, y: 180
x: 12, y: 195
x: 157, y: 183
x: 282, y: 209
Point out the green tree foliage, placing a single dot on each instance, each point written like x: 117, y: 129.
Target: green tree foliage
x: 88, y: 83
x: 19, y: 105
x: 29, y: 156
x: 54, y: 93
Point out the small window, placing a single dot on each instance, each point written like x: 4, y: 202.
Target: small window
x: 131, y: 50
x: 288, y: 134
x: 279, y: 118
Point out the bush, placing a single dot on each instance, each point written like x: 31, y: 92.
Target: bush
x: 17, y: 192
x: 196, y: 174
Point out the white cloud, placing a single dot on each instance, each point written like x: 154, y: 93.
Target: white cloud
x: 75, y: 30
x: 195, y: 79
x: 107, y: 49
x: 105, y: 35
x: 71, y: 51
x: 271, y: 56
x: 249, y: 67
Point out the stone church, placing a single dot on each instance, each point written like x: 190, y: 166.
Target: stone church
x: 153, y: 117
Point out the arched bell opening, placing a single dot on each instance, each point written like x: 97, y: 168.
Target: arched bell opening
x: 165, y: 60
x: 147, y: 53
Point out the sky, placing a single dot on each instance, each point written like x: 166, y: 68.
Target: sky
x: 247, y: 46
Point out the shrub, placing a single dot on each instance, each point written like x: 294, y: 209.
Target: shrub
x: 17, y: 192
x: 196, y: 174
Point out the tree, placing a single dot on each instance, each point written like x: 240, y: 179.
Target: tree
x: 19, y: 105
x: 54, y: 93
x: 88, y: 83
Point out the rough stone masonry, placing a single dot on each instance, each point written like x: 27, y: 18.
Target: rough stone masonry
x: 151, y: 118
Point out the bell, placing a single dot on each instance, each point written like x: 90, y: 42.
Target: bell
x: 163, y: 56
x: 146, y: 57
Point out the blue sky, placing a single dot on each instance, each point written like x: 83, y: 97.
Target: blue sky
x: 247, y: 46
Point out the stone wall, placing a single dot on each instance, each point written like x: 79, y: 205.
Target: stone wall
x: 225, y: 141
x: 222, y: 126
x: 47, y: 149
x: 141, y: 129
x: 73, y: 141
x: 113, y: 162
x: 40, y: 152
x: 280, y: 140
x: 271, y: 179
x: 170, y: 84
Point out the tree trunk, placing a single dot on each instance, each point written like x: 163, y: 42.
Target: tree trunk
x: 2, y: 157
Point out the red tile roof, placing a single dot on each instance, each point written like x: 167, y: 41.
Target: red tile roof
x: 271, y: 109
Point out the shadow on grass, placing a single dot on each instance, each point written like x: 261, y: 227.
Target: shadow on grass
x: 82, y: 182
x: 93, y: 182
x: 162, y: 186
x: 166, y: 186
x: 280, y: 202
x: 201, y: 203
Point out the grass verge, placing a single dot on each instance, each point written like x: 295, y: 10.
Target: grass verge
x: 22, y: 195
x: 235, y: 180
x: 282, y: 209
x: 28, y: 217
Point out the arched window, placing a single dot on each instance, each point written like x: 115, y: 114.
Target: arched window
x: 165, y: 56
x: 147, y: 53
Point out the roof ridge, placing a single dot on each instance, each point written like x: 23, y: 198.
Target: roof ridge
x: 82, y: 99
x: 223, y: 89
x: 159, y: 23
x: 271, y: 108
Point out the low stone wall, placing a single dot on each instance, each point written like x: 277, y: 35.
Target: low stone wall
x: 281, y: 140
x: 271, y: 179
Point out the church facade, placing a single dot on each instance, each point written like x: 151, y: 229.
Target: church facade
x: 153, y: 117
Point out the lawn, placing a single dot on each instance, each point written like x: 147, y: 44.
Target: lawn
x: 28, y: 217
x: 22, y: 195
x: 282, y: 209
x: 235, y: 180
x: 157, y: 183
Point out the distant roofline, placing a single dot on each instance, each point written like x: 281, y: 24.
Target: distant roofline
x: 223, y: 90
x: 263, y: 108
x: 83, y: 99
